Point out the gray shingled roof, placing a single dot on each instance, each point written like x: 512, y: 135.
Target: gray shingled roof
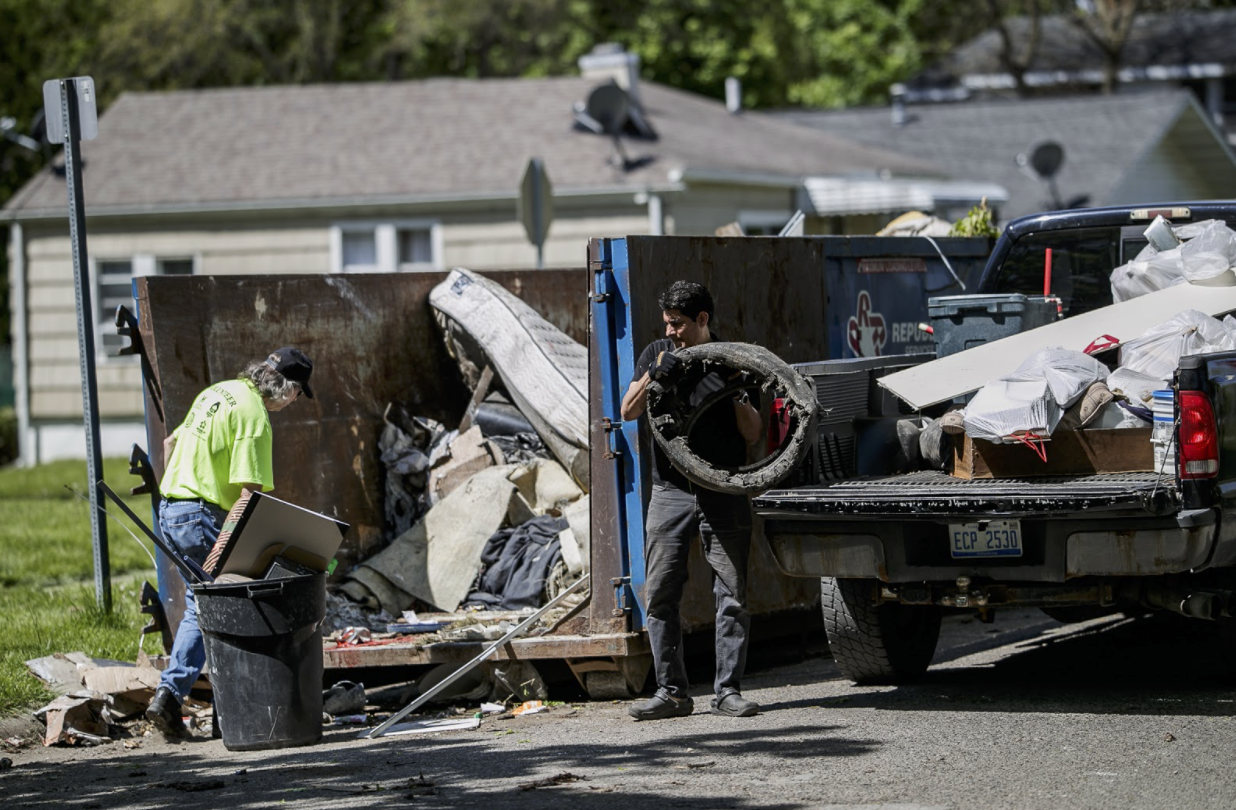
x: 408, y: 141
x: 1157, y: 40
x: 1104, y: 137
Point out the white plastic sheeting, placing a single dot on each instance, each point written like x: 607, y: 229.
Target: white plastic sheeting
x: 1033, y: 398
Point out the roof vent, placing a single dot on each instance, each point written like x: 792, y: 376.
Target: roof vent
x: 733, y: 94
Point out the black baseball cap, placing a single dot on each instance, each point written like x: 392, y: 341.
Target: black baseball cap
x: 292, y: 363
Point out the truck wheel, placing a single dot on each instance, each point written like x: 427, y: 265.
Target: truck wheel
x: 873, y: 643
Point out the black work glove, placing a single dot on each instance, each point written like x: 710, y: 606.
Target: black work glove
x: 665, y: 364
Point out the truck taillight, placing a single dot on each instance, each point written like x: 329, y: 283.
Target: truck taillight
x: 1199, y: 437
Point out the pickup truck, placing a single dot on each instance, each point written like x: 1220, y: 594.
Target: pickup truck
x: 883, y: 545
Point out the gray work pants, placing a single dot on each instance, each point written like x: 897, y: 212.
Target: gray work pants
x: 723, y: 523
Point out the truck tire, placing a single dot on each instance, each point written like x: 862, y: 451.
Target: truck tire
x: 745, y: 366
x: 873, y: 643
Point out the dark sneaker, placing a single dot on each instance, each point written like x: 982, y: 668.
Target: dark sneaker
x: 164, y: 712
x: 660, y: 706
x: 734, y: 705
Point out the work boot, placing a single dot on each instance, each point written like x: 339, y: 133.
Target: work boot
x: 660, y: 706
x: 164, y: 713
x: 734, y: 705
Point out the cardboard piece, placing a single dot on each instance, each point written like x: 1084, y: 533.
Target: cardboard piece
x: 469, y: 454
x: 958, y: 374
x: 1069, y: 452
x: 75, y: 718
x: 122, y: 680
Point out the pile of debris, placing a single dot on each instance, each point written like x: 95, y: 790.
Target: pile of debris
x: 100, y: 700
x: 1058, y: 389
x: 492, y: 514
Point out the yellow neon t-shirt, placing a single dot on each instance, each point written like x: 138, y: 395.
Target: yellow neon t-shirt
x: 225, y: 441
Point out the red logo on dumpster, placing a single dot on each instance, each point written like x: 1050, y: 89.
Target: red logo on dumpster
x: 866, y: 333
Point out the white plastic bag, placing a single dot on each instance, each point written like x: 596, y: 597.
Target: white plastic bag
x: 1034, y: 397
x: 1068, y: 372
x: 1209, y: 253
x: 1149, y: 272
x: 1007, y: 406
x: 1137, y: 387
x: 1158, y: 351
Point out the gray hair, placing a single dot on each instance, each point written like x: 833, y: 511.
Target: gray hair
x: 270, y: 384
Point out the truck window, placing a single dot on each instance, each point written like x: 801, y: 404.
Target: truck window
x: 1082, y: 264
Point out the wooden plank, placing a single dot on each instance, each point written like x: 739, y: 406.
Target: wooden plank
x: 957, y: 374
x: 458, y: 652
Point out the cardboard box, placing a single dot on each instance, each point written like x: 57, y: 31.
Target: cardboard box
x: 1069, y: 452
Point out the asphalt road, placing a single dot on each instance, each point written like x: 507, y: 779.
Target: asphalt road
x: 1025, y: 713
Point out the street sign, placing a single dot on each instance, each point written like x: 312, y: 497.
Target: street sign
x: 87, y: 109
x: 535, y: 205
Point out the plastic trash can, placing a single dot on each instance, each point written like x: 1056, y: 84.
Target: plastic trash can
x: 964, y: 321
x: 264, y: 643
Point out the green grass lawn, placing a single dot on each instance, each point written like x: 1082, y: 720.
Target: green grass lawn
x: 47, y: 595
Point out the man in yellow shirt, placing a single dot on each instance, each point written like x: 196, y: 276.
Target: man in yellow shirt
x: 219, y: 455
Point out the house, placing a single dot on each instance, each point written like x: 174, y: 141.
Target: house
x: 1188, y: 48
x: 390, y: 177
x: 1157, y: 145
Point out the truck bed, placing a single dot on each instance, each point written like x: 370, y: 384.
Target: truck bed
x: 939, y: 494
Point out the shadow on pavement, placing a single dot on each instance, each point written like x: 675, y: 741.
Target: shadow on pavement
x: 449, y: 771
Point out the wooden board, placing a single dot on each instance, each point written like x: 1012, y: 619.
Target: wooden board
x: 957, y: 374
x: 1069, y: 452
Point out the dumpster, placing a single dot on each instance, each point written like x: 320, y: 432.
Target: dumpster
x: 264, y: 646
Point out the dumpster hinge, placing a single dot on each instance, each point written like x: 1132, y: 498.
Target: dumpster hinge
x: 601, y: 285
x: 621, y: 589
x: 610, y: 427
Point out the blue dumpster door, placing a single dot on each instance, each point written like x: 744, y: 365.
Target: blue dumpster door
x: 611, y: 318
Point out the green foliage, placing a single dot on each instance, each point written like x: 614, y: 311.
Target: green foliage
x: 47, y: 593
x: 976, y: 223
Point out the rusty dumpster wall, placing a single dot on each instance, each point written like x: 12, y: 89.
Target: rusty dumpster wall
x: 373, y: 340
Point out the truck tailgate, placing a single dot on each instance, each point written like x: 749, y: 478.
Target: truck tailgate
x: 939, y: 494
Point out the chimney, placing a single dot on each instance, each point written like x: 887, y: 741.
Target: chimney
x: 733, y: 94
x: 609, y: 61
x: 898, y: 94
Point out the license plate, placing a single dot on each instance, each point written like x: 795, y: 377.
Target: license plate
x: 995, y: 538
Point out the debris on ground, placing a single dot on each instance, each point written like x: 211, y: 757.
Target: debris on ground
x: 78, y: 718
x: 343, y: 698
x: 553, y: 781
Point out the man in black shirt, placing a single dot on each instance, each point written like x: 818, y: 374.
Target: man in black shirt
x: 679, y: 510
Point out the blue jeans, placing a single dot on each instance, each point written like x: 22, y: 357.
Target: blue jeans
x: 193, y: 527
x: 723, y: 523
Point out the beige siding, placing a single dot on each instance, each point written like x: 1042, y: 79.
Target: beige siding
x: 704, y: 208
x: 481, y: 245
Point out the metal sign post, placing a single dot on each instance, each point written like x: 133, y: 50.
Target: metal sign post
x: 535, y: 206
x: 72, y: 116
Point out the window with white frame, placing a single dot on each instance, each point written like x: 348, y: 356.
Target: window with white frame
x: 113, y: 287
x: 386, y: 247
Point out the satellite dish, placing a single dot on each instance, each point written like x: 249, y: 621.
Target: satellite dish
x: 609, y: 106
x: 1047, y: 158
